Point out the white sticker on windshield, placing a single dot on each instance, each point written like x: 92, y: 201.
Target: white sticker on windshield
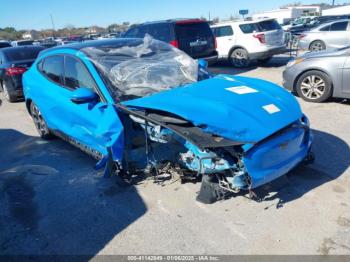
x: 271, y: 109
x: 241, y: 90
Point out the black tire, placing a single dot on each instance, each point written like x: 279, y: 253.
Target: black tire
x: 39, y: 122
x: 9, y: 97
x: 239, y: 58
x: 317, y: 45
x: 314, y: 86
x: 264, y: 60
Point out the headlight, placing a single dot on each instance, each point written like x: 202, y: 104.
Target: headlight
x: 295, y: 61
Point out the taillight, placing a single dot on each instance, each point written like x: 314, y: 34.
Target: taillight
x: 301, y: 36
x: 261, y: 38
x: 215, y: 43
x: 174, y: 43
x: 11, y: 71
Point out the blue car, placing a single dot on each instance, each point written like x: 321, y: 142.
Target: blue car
x: 143, y: 106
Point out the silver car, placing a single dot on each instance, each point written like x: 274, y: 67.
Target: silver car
x: 317, y: 76
x: 332, y: 35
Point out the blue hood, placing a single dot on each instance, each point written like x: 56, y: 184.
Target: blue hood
x: 237, y: 108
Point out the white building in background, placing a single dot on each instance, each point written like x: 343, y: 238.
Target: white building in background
x: 341, y: 10
x: 287, y: 14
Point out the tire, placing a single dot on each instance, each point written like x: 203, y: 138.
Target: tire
x: 317, y: 45
x: 39, y: 122
x: 314, y: 86
x: 264, y: 60
x: 239, y: 58
x: 10, y: 98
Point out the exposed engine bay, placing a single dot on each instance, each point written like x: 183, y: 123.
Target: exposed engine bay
x: 161, y: 144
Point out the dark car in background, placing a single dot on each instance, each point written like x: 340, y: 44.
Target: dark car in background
x: 22, y: 42
x: 193, y: 36
x: 4, y: 44
x: 14, y: 61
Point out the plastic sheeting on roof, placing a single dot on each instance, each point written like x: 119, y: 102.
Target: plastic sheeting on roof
x: 145, y: 67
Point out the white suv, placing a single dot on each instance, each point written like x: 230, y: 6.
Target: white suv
x: 241, y: 42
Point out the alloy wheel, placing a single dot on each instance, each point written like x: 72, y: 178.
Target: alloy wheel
x: 317, y: 46
x: 313, y: 87
x: 39, y: 121
x: 239, y: 58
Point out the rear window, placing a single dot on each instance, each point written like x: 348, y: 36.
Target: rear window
x: 17, y: 54
x: 262, y: 26
x: 192, y: 30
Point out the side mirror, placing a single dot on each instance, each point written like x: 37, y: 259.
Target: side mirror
x: 83, y: 95
x: 202, y: 64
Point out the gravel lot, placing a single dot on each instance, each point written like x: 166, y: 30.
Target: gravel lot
x: 52, y: 201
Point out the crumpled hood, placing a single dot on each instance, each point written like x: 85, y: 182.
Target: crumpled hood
x: 238, y: 108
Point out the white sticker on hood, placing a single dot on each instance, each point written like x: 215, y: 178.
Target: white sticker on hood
x: 271, y: 109
x: 241, y: 90
x: 229, y: 78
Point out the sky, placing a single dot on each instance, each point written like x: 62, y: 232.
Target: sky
x: 35, y: 14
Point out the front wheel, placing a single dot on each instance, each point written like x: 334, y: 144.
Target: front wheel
x: 39, y: 122
x: 314, y: 86
x: 240, y: 58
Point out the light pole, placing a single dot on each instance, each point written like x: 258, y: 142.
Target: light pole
x: 333, y: 2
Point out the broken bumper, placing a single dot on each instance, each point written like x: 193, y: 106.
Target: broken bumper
x: 278, y: 154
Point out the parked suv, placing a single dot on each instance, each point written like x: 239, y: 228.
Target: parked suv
x: 243, y: 41
x: 193, y: 36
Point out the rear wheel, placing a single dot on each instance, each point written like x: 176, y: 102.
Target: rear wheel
x: 317, y: 46
x: 39, y: 122
x: 239, y: 58
x: 9, y: 97
x: 314, y: 86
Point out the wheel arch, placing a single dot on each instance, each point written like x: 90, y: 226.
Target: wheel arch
x: 234, y: 48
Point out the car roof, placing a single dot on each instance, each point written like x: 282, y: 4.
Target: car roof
x: 174, y: 20
x: 94, y: 43
x: 19, y: 48
x: 241, y: 22
x: 332, y: 22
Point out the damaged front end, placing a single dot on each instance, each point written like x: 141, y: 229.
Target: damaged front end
x: 159, y: 143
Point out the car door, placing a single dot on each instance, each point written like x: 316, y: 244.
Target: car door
x: 224, y: 38
x: 96, y: 125
x: 337, y: 36
x: 92, y: 126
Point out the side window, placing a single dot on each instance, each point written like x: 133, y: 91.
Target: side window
x: 76, y: 75
x: 223, y: 31
x: 132, y: 33
x: 53, y: 68
x: 137, y: 32
x: 248, y: 28
x: 340, y: 26
x: 326, y: 28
